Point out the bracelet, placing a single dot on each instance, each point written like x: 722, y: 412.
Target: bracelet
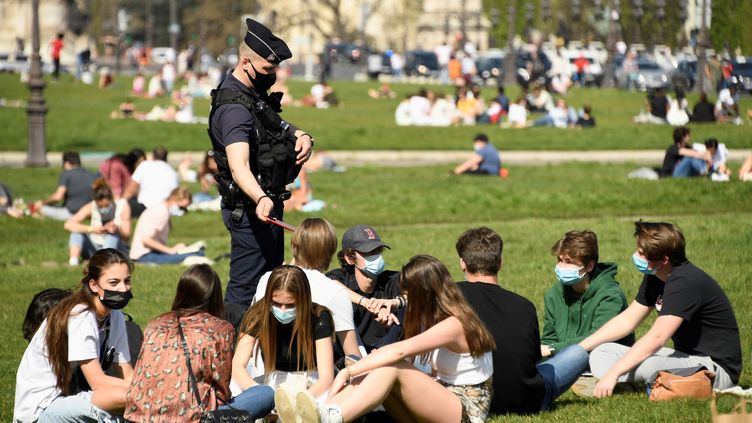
x: 262, y: 197
x: 309, y: 136
x: 362, y: 297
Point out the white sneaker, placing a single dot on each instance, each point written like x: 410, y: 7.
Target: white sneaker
x: 191, y: 260
x: 74, y: 261
x: 719, y: 177
x: 308, y: 410
x: 284, y: 402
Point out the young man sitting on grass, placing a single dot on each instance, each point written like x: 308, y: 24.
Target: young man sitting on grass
x: 521, y: 385
x: 692, y: 310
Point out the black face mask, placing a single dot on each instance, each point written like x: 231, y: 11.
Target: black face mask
x: 263, y: 81
x: 115, y: 300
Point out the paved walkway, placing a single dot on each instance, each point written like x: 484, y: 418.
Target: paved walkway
x: 414, y: 158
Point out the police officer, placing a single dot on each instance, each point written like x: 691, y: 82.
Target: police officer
x: 256, y: 153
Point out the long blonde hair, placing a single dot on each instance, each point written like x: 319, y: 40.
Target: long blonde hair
x: 432, y: 297
x: 262, y: 325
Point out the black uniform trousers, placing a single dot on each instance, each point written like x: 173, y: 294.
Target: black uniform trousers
x: 256, y: 248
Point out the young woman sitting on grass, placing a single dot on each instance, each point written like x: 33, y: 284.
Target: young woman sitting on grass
x: 161, y: 389
x: 294, y: 337
x: 109, y: 225
x: 442, y: 329
x: 61, y: 376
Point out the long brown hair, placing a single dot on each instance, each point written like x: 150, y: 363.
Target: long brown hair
x: 199, y: 289
x: 57, y: 320
x: 100, y: 190
x: 432, y: 297
x: 262, y: 325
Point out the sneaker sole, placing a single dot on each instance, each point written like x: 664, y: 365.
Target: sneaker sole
x: 285, y: 406
x: 306, y: 408
x: 584, y: 387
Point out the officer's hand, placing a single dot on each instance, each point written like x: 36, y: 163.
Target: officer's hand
x: 304, y: 148
x: 263, y: 208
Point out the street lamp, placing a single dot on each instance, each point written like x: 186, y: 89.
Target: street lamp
x: 701, y: 56
x: 637, y: 13
x: 613, y: 19
x: 510, y: 61
x: 494, y: 26
x: 36, y: 110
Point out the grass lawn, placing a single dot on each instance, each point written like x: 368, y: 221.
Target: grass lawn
x: 78, y: 119
x: 423, y: 210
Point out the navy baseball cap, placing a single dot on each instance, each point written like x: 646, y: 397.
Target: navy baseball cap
x: 267, y: 45
x: 362, y: 238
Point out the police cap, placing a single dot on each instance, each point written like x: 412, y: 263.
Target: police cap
x: 267, y: 45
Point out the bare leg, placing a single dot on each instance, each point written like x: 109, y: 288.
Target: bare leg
x: 74, y: 252
x: 405, y: 384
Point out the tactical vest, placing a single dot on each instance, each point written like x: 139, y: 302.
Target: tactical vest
x: 272, y: 157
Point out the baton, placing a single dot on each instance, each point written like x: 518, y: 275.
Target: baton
x: 282, y: 224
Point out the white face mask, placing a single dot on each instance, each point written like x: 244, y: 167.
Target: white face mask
x: 176, y: 211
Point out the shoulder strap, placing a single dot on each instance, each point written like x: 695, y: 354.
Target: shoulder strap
x: 192, y: 377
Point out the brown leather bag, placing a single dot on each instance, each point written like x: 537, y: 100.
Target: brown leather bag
x: 668, y: 386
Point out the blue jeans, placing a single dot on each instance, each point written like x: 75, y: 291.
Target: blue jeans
x: 76, y: 409
x: 561, y: 371
x: 690, y: 166
x: 156, y: 257
x: 257, y: 400
x: 89, y: 247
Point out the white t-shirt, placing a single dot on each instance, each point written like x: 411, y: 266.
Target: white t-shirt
x: 156, y: 180
x: 517, y: 114
x: 325, y: 292
x: 35, y: 381
x: 420, y: 110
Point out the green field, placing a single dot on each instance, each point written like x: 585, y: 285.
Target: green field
x: 416, y: 210
x: 78, y: 118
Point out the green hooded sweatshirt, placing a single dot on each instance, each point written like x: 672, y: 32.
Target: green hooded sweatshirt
x: 569, y: 320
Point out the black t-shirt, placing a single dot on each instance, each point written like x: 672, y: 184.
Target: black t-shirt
x: 586, y: 123
x: 287, y: 358
x: 387, y: 286
x: 233, y: 122
x: 670, y: 160
x: 513, y: 323
x: 709, y: 327
x: 704, y: 112
x: 77, y: 183
x: 658, y: 106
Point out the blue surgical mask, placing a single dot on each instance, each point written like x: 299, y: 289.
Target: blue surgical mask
x: 568, y: 275
x: 642, y: 265
x: 283, y: 316
x: 374, y: 265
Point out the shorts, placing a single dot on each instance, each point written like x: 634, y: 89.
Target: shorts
x: 475, y: 400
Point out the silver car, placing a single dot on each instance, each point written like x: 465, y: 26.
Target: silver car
x: 649, y: 76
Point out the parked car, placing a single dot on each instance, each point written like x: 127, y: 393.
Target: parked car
x: 742, y: 75
x: 160, y: 55
x: 228, y: 58
x: 421, y: 63
x: 593, y: 70
x: 490, y: 65
x: 345, y: 52
x: 649, y: 76
x: 684, y: 75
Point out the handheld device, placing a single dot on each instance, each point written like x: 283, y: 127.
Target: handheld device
x: 284, y: 225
